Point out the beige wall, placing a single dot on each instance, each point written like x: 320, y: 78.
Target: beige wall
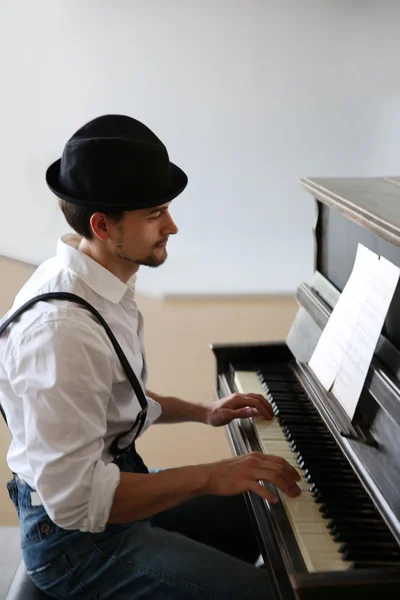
x: 178, y: 334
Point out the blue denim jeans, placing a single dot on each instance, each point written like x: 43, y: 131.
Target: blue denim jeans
x: 204, y: 548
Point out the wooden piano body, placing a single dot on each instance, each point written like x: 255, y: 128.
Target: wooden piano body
x: 364, y: 514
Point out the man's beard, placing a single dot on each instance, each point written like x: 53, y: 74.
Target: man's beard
x: 152, y: 260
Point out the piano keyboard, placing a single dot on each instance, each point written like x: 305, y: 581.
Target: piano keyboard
x: 335, y: 523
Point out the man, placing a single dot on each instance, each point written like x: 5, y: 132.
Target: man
x: 94, y: 522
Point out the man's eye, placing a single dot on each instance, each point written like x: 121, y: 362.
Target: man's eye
x: 155, y: 215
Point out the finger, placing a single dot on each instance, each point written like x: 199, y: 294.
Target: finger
x: 256, y: 396
x: 243, y: 413
x: 282, y: 473
x: 227, y: 414
x: 259, y: 403
x: 273, y: 476
x: 270, y: 458
x: 279, y: 479
x: 294, y: 491
x: 281, y: 463
x: 284, y: 477
x: 262, y: 491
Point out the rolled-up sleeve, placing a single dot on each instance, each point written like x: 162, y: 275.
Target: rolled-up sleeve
x: 62, y: 373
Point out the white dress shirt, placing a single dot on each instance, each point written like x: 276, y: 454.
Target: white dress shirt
x: 64, y: 391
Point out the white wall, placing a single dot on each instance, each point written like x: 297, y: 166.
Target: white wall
x: 247, y: 95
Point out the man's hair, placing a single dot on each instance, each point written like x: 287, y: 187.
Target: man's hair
x: 78, y: 217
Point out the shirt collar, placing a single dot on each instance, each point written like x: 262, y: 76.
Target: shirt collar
x: 97, y: 277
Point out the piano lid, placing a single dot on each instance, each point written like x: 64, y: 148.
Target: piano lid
x: 372, y: 202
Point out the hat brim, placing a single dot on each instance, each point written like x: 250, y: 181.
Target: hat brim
x: 53, y: 180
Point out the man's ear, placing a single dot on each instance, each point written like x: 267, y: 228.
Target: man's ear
x: 100, y: 226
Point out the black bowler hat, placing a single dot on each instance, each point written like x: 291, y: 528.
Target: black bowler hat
x: 115, y: 163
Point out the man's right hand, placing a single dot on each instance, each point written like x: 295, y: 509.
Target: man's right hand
x: 243, y: 474
x: 139, y: 495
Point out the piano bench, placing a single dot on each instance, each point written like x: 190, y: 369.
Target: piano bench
x: 22, y: 588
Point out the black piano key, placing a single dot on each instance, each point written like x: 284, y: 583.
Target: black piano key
x: 351, y: 504
x: 305, y: 457
x: 347, y: 505
x: 354, y: 523
x: 356, y: 529
x: 355, y: 519
x: 304, y: 434
x: 334, y: 477
x: 330, y: 471
x: 308, y: 451
x: 366, y: 555
x: 299, y: 421
x: 376, y: 548
x: 323, y: 498
x: 352, y: 516
x: 346, y: 509
x: 351, y: 536
x: 324, y: 457
x: 358, y: 536
x: 338, y: 486
x: 286, y: 396
x: 369, y: 564
x: 306, y: 443
x: 295, y: 412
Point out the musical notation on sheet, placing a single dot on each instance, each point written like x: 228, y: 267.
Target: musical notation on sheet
x: 343, y: 354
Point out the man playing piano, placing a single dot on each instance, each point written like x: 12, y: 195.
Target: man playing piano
x: 94, y: 522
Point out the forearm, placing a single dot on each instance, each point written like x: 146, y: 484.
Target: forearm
x: 175, y: 410
x: 140, y: 496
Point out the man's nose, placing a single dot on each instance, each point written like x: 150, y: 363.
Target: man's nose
x: 171, y: 226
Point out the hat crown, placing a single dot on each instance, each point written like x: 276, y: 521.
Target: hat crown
x: 113, y: 156
x: 115, y: 126
x: 115, y: 161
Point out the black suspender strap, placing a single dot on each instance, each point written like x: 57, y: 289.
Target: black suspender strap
x: 141, y: 418
x: 3, y: 414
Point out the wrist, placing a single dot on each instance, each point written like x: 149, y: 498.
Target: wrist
x: 204, y: 478
x: 204, y: 412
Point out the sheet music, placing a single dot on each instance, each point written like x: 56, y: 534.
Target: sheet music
x: 343, y: 354
x: 354, y: 368
x: 332, y: 345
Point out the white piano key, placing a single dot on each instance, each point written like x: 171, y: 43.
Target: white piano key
x: 319, y: 550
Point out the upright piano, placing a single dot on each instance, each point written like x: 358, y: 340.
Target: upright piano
x: 340, y: 538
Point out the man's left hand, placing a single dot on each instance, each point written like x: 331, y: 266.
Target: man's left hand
x: 238, y: 406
